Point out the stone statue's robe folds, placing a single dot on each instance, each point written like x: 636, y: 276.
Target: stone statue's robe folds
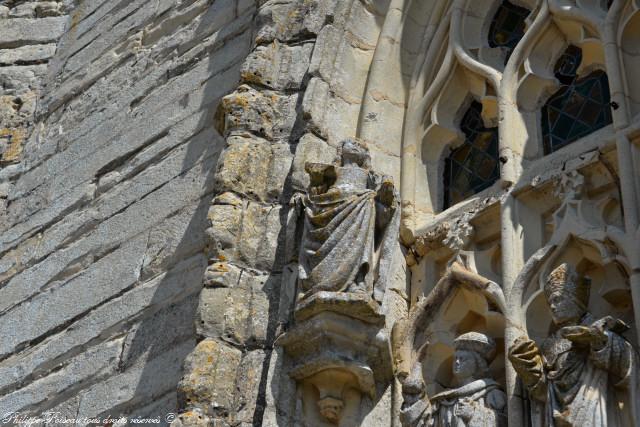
x: 587, y: 388
x: 339, y: 240
x: 481, y: 400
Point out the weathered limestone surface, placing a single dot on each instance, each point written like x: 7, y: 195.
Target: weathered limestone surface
x: 160, y: 144
x: 104, y: 201
x: 153, y: 173
x: 28, y: 38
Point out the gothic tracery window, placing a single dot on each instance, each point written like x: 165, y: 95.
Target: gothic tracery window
x: 507, y: 27
x: 580, y: 107
x: 473, y: 166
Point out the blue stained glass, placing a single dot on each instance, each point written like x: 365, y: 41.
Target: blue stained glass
x: 580, y: 107
x: 473, y: 166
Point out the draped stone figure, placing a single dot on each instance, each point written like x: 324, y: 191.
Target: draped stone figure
x: 351, y: 223
x: 585, y: 374
x: 478, y: 400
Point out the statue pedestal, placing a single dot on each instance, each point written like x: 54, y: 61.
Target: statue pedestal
x: 339, y: 352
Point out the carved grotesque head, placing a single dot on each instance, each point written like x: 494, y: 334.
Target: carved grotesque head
x: 355, y: 153
x: 331, y: 408
x: 474, y: 352
x: 567, y: 294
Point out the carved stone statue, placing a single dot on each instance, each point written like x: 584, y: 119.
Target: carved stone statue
x: 348, y: 210
x: 583, y: 373
x: 478, y: 400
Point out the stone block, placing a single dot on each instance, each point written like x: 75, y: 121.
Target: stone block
x: 248, y: 234
x: 21, y: 31
x: 260, y: 237
x: 101, y: 359
x: 156, y: 408
x: 281, y: 393
x: 253, y: 167
x: 160, y: 332
x: 67, y: 410
x: 194, y: 418
x: 176, y: 239
x: 49, y: 8
x: 104, y: 279
x: 264, y: 113
x: 314, y: 105
x: 140, y: 383
x: 329, y: 115
x: 17, y: 110
x: 342, y: 60
x: 178, y: 283
x: 24, y: 10
x: 292, y: 20
x: 16, y: 80
x: 248, y: 386
x: 222, y: 275
x: 128, y: 221
x: 310, y: 148
x: 277, y: 65
x: 239, y: 314
x: 209, y: 380
x: 31, y: 53
x: 212, y: 312
x: 11, y: 145
x: 223, y: 233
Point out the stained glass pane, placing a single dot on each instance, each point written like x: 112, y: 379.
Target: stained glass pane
x: 473, y: 166
x: 567, y: 66
x: 507, y: 27
x: 580, y: 107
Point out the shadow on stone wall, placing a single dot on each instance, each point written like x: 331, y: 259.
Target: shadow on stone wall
x: 168, y: 328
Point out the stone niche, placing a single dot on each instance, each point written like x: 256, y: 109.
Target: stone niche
x: 459, y: 323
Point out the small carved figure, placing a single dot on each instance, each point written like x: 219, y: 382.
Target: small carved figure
x: 348, y: 210
x: 583, y: 371
x: 478, y: 400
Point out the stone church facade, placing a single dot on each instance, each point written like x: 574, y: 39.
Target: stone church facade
x: 320, y: 212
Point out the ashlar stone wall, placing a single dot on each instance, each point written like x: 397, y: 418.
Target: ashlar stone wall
x: 104, y: 203
x: 155, y: 159
x: 148, y: 206
x: 28, y: 40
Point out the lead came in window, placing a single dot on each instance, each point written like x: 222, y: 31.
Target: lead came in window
x: 473, y: 166
x: 580, y: 107
x: 507, y: 27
